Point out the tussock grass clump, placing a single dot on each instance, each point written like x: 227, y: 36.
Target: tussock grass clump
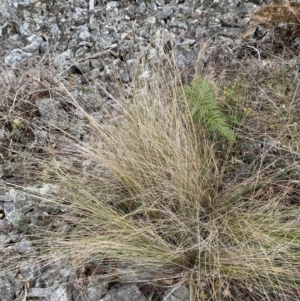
x: 150, y: 195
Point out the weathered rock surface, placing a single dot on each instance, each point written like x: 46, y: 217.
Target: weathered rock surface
x: 180, y: 293
x: 95, y: 38
x: 124, y: 293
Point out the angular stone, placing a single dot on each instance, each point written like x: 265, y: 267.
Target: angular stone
x: 6, y: 289
x: 167, y: 11
x: 180, y: 293
x: 96, y: 288
x: 52, y: 114
x: 61, y: 293
x: 3, y: 240
x: 12, y: 215
x: 17, y: 55
x: 178, y: 24
x: 2, y: 190
x: 24, y: 246
x: 30, y: 271
x: 38, y: 292
x: 18, y: 197
x: 84, y: 36
x: 18, y: 288
x: 124, y: 293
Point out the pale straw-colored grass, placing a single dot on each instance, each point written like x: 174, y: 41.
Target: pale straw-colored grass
x: 147, y: 194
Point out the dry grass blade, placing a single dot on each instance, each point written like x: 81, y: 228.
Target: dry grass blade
x: 145, y: 194
x: 272, y: 15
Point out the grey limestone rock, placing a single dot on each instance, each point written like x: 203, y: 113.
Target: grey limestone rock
x: 178, y: 24
x: 62, y: 59
x: 76, y: 30
x: 17, y: 55
x: 12, y: 215
x: 96, y: 288
x: 37, y: 292
x: 6, y: 289
x: 125, y: 293
x: 30, y: 270
x: 179, y: 293
x: 3, y: 239
x: 36, y: 45
x: 61, y: 293
x: 24, y: 246
x: 18, y: 287
x: 2, y: 188
x: 52, y: 114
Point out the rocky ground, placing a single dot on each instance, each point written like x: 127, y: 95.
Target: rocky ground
x: 93, y: 44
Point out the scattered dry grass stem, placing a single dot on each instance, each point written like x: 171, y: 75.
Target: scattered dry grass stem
x: 156, y: 194
x: 272, y: 15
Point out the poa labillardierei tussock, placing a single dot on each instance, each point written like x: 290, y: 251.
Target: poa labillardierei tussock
x: 148, y: 194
